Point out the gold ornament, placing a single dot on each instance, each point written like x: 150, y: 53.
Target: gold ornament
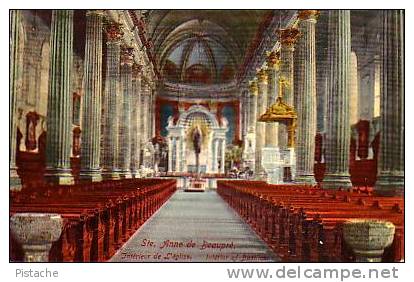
x: 253, y: 87
x: 282, y: 113
x: 288, y: 36
x: 308, y: 15
x: 262, y: 75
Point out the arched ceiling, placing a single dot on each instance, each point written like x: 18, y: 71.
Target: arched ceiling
x: 202, y: 46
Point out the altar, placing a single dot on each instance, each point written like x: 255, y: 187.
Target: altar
x: 183, y: 156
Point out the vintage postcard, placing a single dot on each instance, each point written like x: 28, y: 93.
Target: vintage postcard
x: 206, y: 136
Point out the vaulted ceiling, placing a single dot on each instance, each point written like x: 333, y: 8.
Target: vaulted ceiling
x: 202, y: 46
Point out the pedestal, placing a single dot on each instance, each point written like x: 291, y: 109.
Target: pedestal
x: 368, y: 238
x: 36, y: 233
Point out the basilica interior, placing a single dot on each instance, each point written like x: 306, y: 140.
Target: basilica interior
x: 271, y: 135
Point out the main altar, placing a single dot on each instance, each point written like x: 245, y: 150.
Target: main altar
x: 196, y: 143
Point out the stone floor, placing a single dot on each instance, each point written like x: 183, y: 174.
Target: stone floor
x: 195, y: 227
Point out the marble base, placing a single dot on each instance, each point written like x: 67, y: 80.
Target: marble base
x: 15, y: 181
x: 110, y: 175
x: 125, y: 175
x: 305, y: 179
x: 389, y: 185
x: 59, y: 176
x: 135, y: 174
x: 335, y: 181
x: 90, y: 175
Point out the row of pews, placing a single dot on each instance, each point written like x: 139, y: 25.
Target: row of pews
x: 98, y: 218
x: 304, y: 223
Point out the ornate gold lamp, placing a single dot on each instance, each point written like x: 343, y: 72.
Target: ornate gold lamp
x: 282, y: 113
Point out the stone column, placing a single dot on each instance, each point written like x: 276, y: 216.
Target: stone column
x: 145, y: 113
x: 338, y: 128
x: 306, y: 100
x: 15, y: 86
x: 111, y: 103
x: 223, y: 155
x: 127, y: 59
x: 135, y: 116
x: 246, y: 110
x: 288, y: 39
x: 59, y: 103
x: 253, y: 106
x: 272, y: 92
x: 170, y: 152
x: 391, y: 156
x: 178, y: 154
x: 36, y: 232
x: 91, y: 104
x: 260, y: 126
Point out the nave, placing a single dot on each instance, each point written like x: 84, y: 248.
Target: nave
x: 113, y: 112
x: 217, y: 231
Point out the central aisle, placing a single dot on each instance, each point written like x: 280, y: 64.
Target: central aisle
x: 193, y: 227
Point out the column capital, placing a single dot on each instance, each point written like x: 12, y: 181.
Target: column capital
x: 262, y: 75
x: 114, y: 32
x: 99, y: 13
x: 253, y: 87
x: 127, y: 55
x: 273, y: 60
x: 288, y: 36
x: 136, y: 69
x: 308, y: 15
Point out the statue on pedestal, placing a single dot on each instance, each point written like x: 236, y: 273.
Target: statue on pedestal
x: 197, y: 141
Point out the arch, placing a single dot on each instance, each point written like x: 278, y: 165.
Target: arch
x: 197, y: 109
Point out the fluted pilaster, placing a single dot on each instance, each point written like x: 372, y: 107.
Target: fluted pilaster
x: 338, y: 127
x: 260, y: 126
x: 306, y: 98
x: 273, y: 60
x: 15, y: 86
x: 111, y: 103
x: 288, y: 39
x: 391, y: 156
x: 127, y: 59
x: 91, y: 105
x: 59, y: 107
x: 135, y: 118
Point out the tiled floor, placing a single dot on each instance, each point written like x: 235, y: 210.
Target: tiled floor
x: 191, y: 221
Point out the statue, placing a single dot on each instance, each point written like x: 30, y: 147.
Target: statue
x: 197, y: 140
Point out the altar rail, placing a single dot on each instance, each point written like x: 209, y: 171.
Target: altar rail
x: 98, y: 217
x: 304, y: 223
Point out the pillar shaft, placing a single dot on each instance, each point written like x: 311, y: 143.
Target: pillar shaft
x: 306, y: 99
x: 15, y: 85
x: 253, y: 108
x: 338, y: 128
x: 135, y: 117
x: 59, y: 107
x: 271, y: 140
x: 127, y: 60
x: 145, y: 104
x: 260, y: 126
x: 91, y: 111
x: 288, y: 39
x: 223, y: 154
x: 391, y: 156
x: 111, y: 103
